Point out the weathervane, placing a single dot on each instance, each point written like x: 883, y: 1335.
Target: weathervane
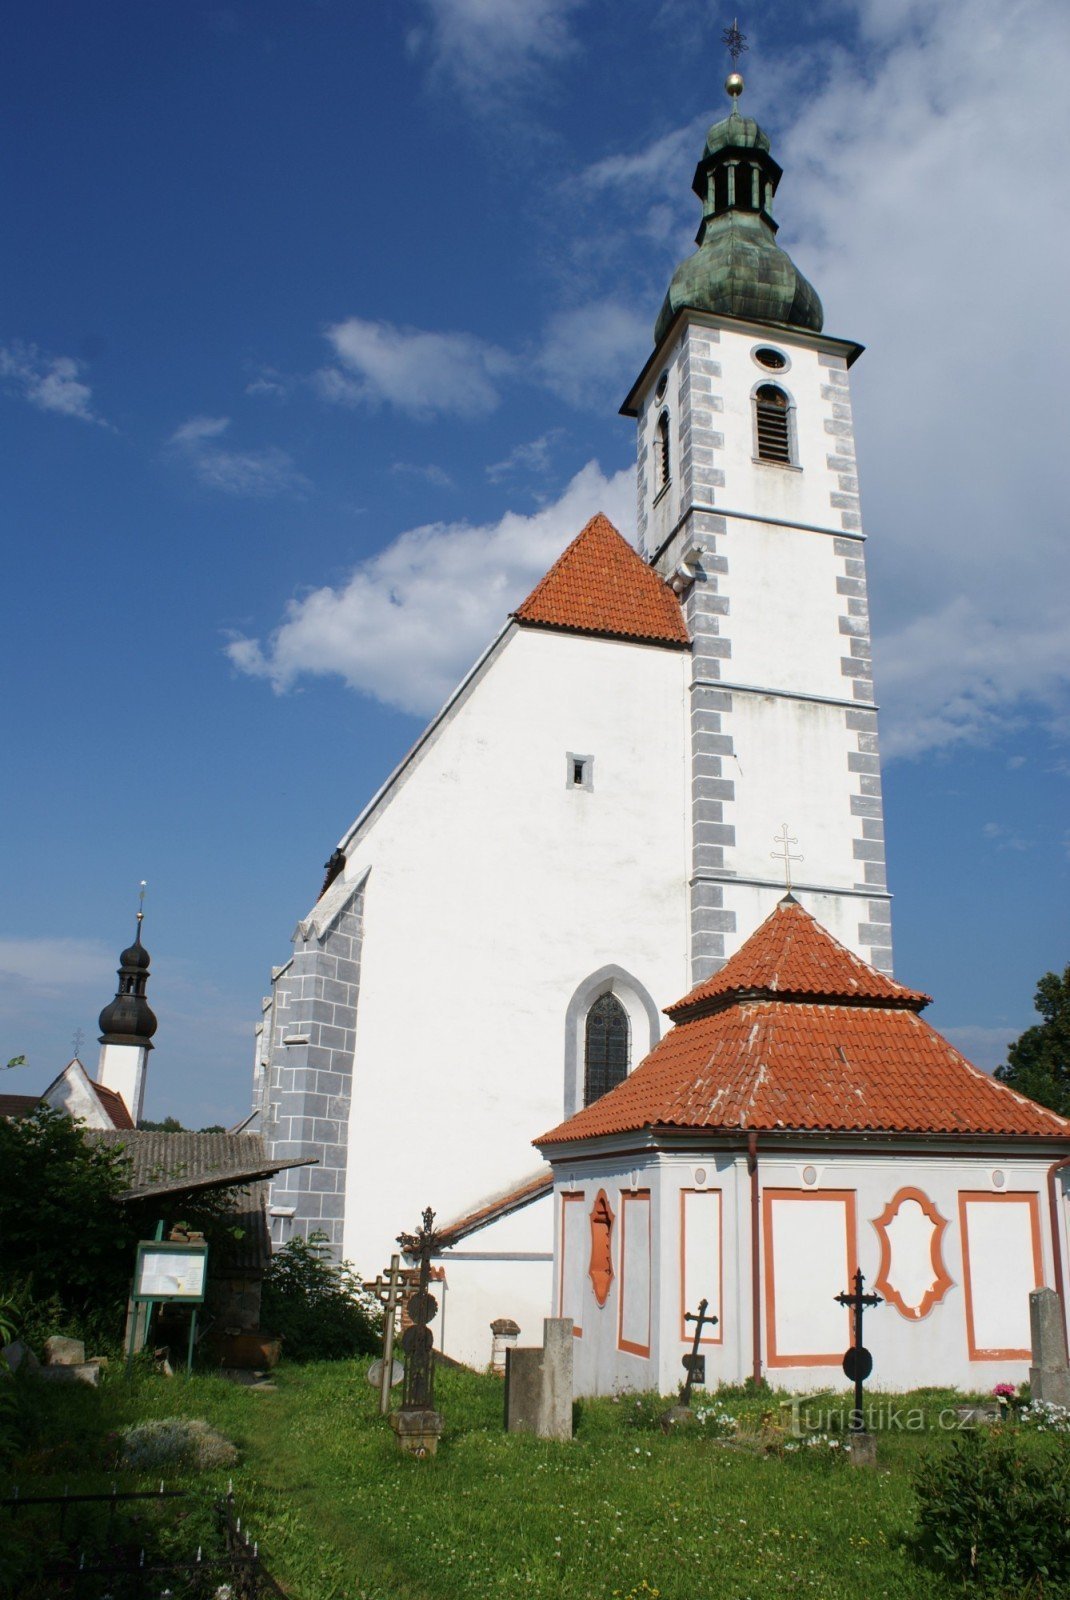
x: 141, y: 902
x: 785, y: 856
x: 734, y: 41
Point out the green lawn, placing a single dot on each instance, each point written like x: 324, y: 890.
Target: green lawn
x: 621, y: 1511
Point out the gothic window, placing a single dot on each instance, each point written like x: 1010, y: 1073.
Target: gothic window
x: 772, y: 417
x: 661, y: 453
x: 606, y: 1048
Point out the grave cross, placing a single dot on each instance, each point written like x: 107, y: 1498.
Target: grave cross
x: 387, y: 1288
x: 691, y: 1361
x: 858, y: 1363
x: 418, y: 1341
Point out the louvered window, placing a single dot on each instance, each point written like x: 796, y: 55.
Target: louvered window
x: 606, y: 1048
x: 773, y: 420
x: 661, y: 453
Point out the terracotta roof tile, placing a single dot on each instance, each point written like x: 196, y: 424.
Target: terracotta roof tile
x: 792, y: 954
x: 796, y: 1032
x: 601, y: 585
x: 114, y: 1106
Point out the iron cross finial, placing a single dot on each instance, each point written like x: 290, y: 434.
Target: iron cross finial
x: 78, y: 1041
x: 734, y: 41
x: 785, y: 856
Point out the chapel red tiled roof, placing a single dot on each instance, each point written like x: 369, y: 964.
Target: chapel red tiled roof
x: 792, y: 954
x: 114, y: 1106
x: 601, y: 585
x: 806, y: 1058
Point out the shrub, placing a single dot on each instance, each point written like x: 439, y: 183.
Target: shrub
x: 174, y: 1442
x: 319, y: 1307
x: 995, y: 1515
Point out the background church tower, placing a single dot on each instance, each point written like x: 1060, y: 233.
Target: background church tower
x: 127, y: 1025
x: 748, y: 505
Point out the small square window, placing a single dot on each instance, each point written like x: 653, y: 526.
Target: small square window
x: 579, y: 772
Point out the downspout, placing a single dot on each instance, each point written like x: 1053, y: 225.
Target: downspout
x: 1056, y: 1245
x: 755, y: 1261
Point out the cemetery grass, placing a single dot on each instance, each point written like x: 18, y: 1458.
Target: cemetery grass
x: 621, y: 1512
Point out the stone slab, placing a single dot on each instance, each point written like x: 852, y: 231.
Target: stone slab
x: 64, y: 1352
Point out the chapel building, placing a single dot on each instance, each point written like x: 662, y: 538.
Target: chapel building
x: 602, y: 812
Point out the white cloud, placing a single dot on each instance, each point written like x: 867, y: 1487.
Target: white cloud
x: 51, y: 383
x: 533, y: 456
x: 985, y: 1047
x: 416, y: 371
x: 412, y: 619
x: 45, y: 966
x: 591, y: 353
x: 258, y: 474
x: 1004, y: 838
x: 435, y: 475
x: 489, y: 47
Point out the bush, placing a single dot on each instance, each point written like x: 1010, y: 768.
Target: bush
x: 318, y: 1307
x: 997, y: 1515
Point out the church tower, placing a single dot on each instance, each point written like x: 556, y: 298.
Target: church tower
x: 749, y: 507
x: 127, y: 1025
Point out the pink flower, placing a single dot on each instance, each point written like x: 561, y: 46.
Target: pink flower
x: 1004, y: 1391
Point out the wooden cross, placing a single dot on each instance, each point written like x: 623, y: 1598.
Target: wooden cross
x: 387, y: 1288
x: 858, y: 1363
x: 691, y: 1361
x: 785, y: 856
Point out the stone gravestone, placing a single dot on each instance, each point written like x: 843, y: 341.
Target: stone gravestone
x: 538, y: 1384
x: 1049, y: 1376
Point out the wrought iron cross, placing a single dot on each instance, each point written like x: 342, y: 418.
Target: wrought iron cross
x: 701, y: 1320
x: 734, y: 41
x: 78, y: 1041
x: 418, y: 1342
x: 858, y: 1363
x: 785, y: 856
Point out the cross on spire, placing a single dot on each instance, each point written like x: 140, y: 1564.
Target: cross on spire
x: 734, y: 41
x: 785, y: 856
x: 78, y: 1042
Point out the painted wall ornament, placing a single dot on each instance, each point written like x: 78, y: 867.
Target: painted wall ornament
x: 601, y: 1267
x: 912, y: 1276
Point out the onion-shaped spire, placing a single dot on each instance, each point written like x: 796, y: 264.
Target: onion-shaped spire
x: 129, y: 1019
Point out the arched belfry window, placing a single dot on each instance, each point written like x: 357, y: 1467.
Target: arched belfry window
x: 661, y: 453
x: 772, y: 421
x: 605, y: 1048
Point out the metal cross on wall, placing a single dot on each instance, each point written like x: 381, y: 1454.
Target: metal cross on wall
x: 785, y: 856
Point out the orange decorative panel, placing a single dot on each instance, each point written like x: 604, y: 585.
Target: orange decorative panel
x: 906, y: 1236
x: 601, y: 1268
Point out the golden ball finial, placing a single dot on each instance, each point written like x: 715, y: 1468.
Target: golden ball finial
x: 733, y: 85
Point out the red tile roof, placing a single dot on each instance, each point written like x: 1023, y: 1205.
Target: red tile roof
x: 781, y: 1048
x: 791, y: 954
x: 18, y: 1105
x: 114, y: 1106
x: 601, y: 585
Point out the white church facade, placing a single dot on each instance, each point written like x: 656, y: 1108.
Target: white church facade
x: 589, y: 828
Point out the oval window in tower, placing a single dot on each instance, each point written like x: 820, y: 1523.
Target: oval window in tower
x: 772, y: 360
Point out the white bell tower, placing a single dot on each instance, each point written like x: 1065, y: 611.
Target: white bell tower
x: 127, y: 1025
x: 749, y: 506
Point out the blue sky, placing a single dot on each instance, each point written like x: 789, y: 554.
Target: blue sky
x: 316, y: 318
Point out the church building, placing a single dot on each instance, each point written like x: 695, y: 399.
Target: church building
x: 602, y: 813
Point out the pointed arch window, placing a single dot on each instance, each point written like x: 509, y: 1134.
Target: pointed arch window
x: 605, y: 1048
x: 772, y: 420
x: 661, y: 453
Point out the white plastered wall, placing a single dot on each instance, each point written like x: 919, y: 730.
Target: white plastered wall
x: 495, y: 890
x: 1004, y: 1252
